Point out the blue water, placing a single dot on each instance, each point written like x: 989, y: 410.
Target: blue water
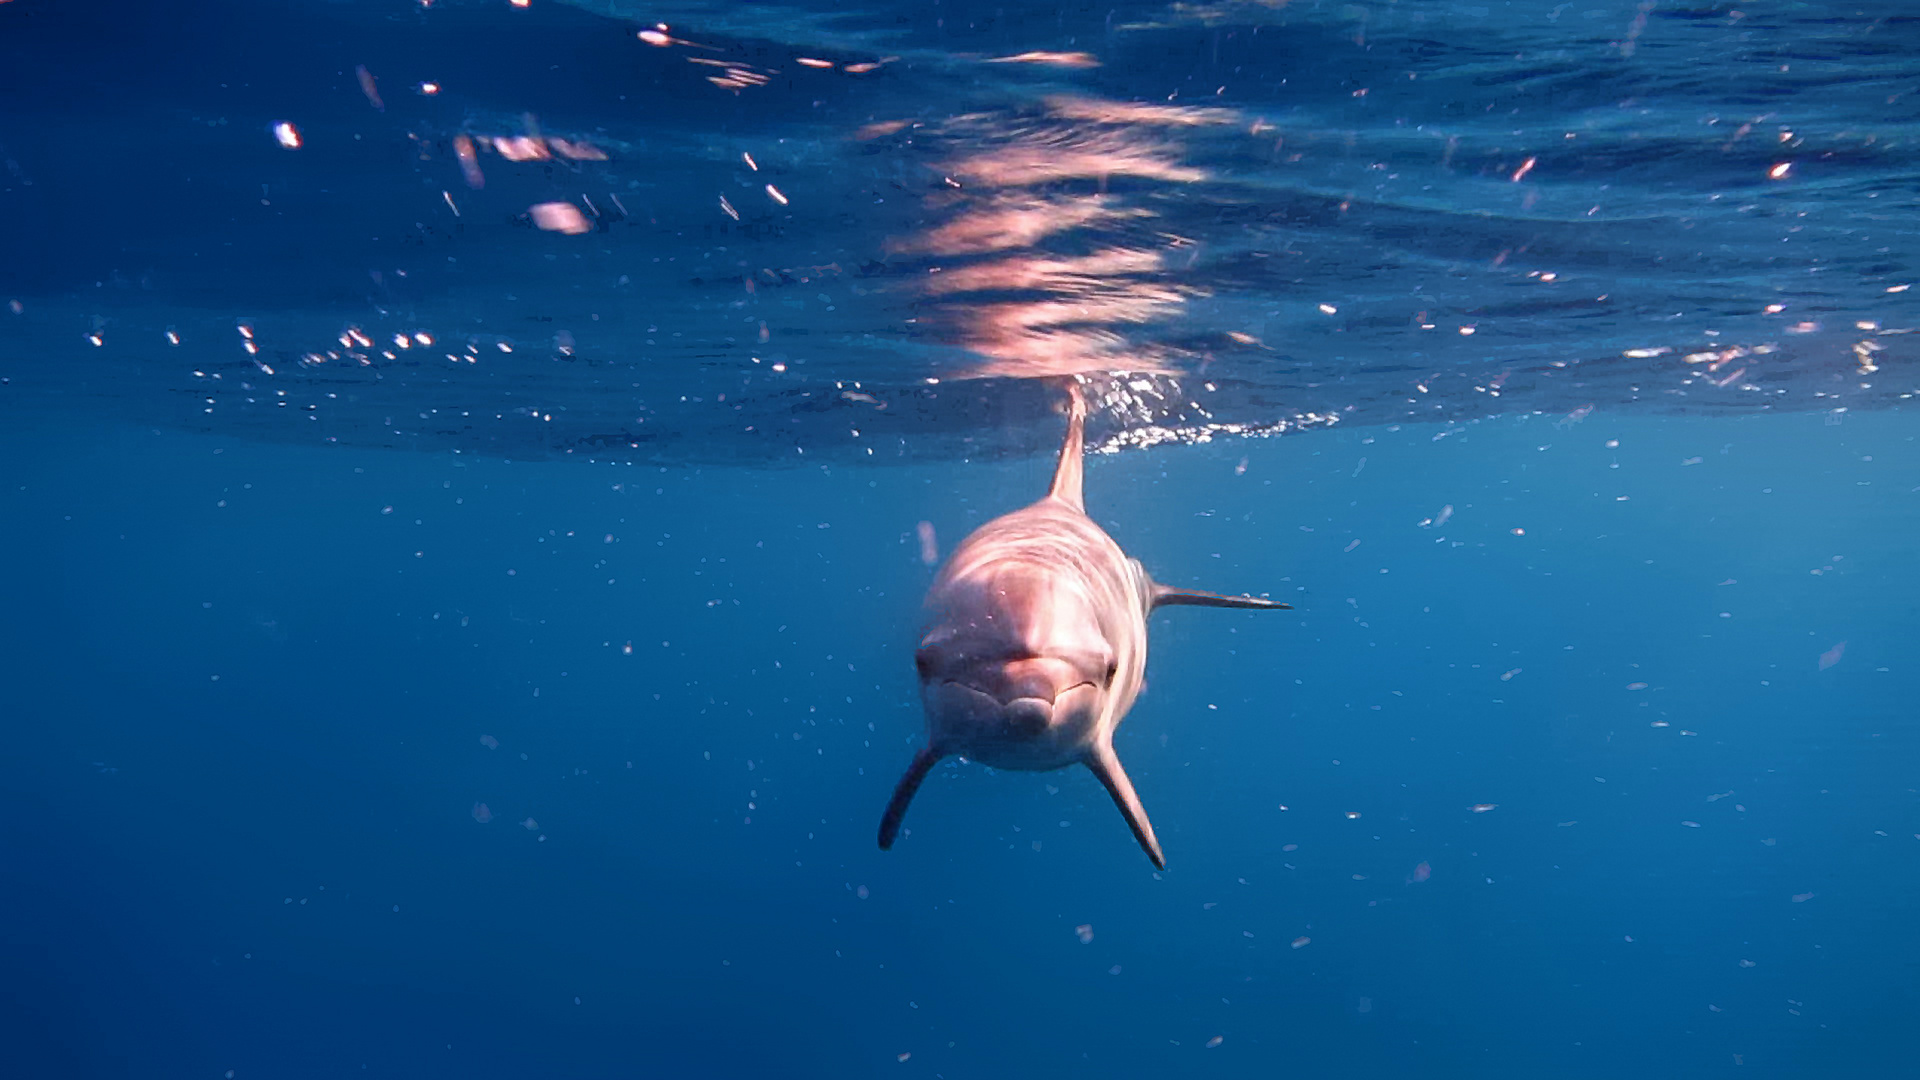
x: 530, y: 712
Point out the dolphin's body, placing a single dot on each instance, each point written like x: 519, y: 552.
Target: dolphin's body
x: 1037, y: 645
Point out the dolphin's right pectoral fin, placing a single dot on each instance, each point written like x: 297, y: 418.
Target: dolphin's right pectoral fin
x: 1106, y: 765
x: 923, y: 763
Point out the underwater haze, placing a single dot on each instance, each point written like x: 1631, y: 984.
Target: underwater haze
x: 472, y: 469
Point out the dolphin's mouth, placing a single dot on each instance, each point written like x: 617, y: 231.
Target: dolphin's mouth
x: 1026, y: 716
x: 1007, y: 703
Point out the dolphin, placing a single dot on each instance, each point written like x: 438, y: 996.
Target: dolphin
x: 1037, y: 644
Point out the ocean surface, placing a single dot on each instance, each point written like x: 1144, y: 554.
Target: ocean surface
x: 469, y: 472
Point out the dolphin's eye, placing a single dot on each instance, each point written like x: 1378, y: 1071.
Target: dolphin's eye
x: 1113, y: 669
x: 922, y: 663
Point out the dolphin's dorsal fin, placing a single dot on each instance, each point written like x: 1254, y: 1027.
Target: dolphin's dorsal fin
x: 1167, y: 596
x: 1106, y: 765
x: 1066, y: 475
x: 923, y: 763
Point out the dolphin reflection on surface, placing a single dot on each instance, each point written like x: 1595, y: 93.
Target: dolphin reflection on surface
x: 1037, y: 644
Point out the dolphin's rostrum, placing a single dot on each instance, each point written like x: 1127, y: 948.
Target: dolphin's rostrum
x: 1037, y: 644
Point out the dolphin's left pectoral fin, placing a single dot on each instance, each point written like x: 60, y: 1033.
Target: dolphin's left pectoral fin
x: 1106, y: 765
x: 1167, y: 596
x: 923, y: 763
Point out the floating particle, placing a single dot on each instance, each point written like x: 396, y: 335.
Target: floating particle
x: 580, y: 151
x: 808, y: 61
x: 287, y: 135
x: 1328, y: 309
x: 1053, y: 59
x: 1084, y: 932
x: 520, y: 148
x: 655, y: 38
x: 861, y: 892
x: 728, y: 207
x: 1114, y: 970
x: 929, y: 543
x: 774, y: 194
x: 1636, y: 686
x: 903, y: 1057
x: 369, y: 87
x: 1779, y: 172
x: 481, y: 814
x: 1215, y: 1041
x: 469, y: 162
x: 1832, y: 656
x: 1507, y: 676
x: 1483, y: 807
x: 1353, y: 545
x: 489, y: 742
x: 1518, y: 532
x: 1525, y: 168
x: 1802, y: 897
x: 1691, y: 824
x: 1421, y: 873
x: 560, y: 217
x: 1301, y: 942
x: 1747, y: 963
x: 1352, y: 814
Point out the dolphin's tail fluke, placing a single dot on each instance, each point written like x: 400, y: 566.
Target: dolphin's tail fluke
x: 1167, y: 596
x: 1106, y: 765
x: 923, y: 763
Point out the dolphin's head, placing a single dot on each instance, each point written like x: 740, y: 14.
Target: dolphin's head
x: 1015, y: 671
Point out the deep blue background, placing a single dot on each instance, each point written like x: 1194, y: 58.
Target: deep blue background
x: 270, y: 639
x: 162, y: 820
